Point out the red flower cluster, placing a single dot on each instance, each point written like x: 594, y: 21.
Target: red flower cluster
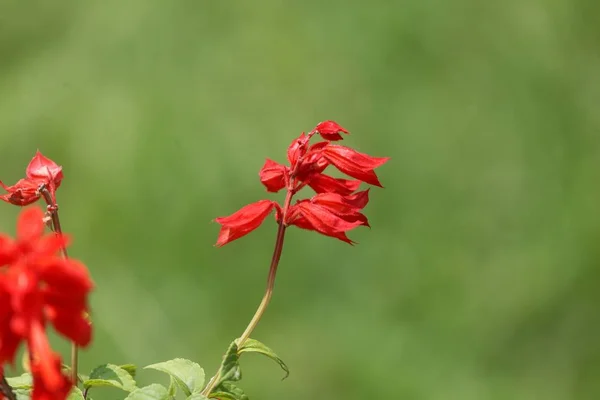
x: 40, y: 171
x: 334, y: 209
x: 38, y: 286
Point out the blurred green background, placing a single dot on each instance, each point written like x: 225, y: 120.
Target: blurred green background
x: 480, y: 277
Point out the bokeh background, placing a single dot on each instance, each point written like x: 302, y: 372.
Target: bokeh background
x: 480, y: 277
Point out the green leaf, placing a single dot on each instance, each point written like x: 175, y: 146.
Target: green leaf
x: 197, y: 396
x: 230, y: 367
x: 228, y: 390
x: 130, y: 368
x: 254, y: 346
x: 23, y: 394
x: 172, y: 387
x: 76, y: 394
x: 188, y: 375
x: 150, y: 392
x: 110, y: 375
x: 24, y: 381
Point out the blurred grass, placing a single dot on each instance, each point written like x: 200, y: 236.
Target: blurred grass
x: 479, y: 277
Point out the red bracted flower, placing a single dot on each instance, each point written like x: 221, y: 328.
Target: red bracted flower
x: 38, y: 286
x: 334, y: 210
x: 40, y: 171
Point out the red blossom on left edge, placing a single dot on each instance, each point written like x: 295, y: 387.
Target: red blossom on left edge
x: 40, y: 171
x: 39, y: 287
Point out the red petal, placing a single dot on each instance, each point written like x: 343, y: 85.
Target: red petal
x: 8, y: 251
x: 355, y: 164
x: 321, y: 183
x: 329, y: 130
x: 65, y: 299
x: 318, y: 218
x: 48, y: 381
x: 22, y: 193
x: 9, y: 340
x: 243, y: 221
x: 272, y: 175
x: 358, y: 200
x: 30, y: 225
x: 41, y: 167
x: 346, y: 208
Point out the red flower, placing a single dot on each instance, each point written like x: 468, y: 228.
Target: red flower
x: 315, y: 217
x: 48, y: 381
x: 40, y: 171
x: 329, y: 130
x: 357, y: 165
x: 22, y: 193
x: 273, y: 175
x: 334, y: 210
x: 322, y: 183
x: 39, y: 286
x: 243, y: 221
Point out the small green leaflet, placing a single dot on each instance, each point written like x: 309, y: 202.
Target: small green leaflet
x: 188, y: 375
x: 228, y: 390
x: 24, y: 381
x: 110, y: 375
x: 150, y: 392
x: 254, y: 346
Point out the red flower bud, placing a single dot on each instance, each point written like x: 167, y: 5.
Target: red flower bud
x: 330, y: 130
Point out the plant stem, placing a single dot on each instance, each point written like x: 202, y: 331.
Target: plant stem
x: 270, y: 285
x: 6, y: 390
x: 53, y: 209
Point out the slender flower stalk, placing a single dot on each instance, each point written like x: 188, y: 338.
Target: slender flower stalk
x: 333, y: 211
x: 55, y: 220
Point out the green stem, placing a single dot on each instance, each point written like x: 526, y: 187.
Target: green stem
x: 262, y: 307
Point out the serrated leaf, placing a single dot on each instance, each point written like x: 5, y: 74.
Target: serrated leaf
x: 254, y: 346
x: 188, y: 375
x: 150, y: 392
x: 24, y: 381
x: 228, y: 390
x: 110, y: 375
x: 230, y: 367
x: 76, y: 394
x: 130, y: 368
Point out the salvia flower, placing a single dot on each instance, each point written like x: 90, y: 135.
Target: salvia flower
x: 37, y: 287
x: 334, y: 210
x: 40, y: 171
